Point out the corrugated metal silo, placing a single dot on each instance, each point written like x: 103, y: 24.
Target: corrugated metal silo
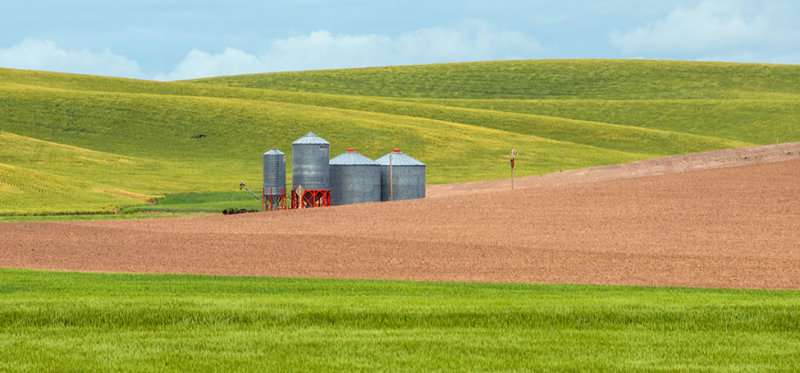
x: 310, y: 157
x: 274, y: 175
x: 354, y: 179
x: 408, y: 176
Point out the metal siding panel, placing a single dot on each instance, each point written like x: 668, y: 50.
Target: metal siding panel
x: 355, y: 184
x: 409, y: 182
x: 274, y: 172
x: 310, y: 167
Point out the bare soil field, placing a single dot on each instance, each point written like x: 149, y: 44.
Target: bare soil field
x: 737, y: 226
x: 650, y: 167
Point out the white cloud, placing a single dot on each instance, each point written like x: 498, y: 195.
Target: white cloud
x: 321, y: 49
x: 474, y: 40
x: 36, y: 54
x: 470, y: 41
x: 201, y: 64
x: 718, y: 30
x: 710, y: 25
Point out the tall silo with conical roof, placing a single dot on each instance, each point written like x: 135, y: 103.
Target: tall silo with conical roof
x: 274, y: 177
x: 405, y: 179
x: 354, y: 179
x: 310, y: 167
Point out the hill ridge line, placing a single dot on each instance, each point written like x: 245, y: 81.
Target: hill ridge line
x: 476, y: 127
x: 585, y: 122
x: 386, y: 100
x: 714, y: 159
x: 400, y: 102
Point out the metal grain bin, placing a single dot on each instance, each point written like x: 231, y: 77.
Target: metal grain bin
x: 310, y: 157
x: 274, y: 172
x: 408, y: 174
x: 354, y: 179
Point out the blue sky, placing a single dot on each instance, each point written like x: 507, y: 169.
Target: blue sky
x: 170, y: 40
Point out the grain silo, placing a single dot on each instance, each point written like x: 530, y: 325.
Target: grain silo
x: 274, y: 178
x: 310, y: 168
x: 354, y: 179
x: 407, y: 177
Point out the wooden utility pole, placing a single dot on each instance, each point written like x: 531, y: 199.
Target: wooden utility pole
x: 513, y: 153
x: 391, y: 180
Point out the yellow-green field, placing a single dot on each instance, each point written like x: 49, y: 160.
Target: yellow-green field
x: 85, y: 144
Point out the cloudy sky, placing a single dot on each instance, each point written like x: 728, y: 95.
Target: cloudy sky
x: 183, y: 39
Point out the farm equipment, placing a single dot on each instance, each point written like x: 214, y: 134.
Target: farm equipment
x: 242, y: 186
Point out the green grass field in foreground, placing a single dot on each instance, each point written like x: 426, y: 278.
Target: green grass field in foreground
x: 94, y: 322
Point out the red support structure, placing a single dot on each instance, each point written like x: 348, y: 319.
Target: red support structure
x: 311, y: 198
x: 270, y: 201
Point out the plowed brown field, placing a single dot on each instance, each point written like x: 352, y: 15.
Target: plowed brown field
x: 728, y: 227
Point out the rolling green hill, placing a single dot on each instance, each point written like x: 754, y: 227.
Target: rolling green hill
x: 72, y: 143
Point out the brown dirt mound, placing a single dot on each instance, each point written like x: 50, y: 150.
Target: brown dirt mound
x: 650, y: 167
x: 730, y: 227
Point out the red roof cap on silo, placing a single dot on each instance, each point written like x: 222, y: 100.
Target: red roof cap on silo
x: 350, y: 150
x: 396, y: 150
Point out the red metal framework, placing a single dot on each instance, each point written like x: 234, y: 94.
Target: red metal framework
x: 270, y: 201
x: 309, y: 199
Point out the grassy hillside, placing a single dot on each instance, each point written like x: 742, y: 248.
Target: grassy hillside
x: 74, y: 143
x: 123, y: 322
x: 543, y: 79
